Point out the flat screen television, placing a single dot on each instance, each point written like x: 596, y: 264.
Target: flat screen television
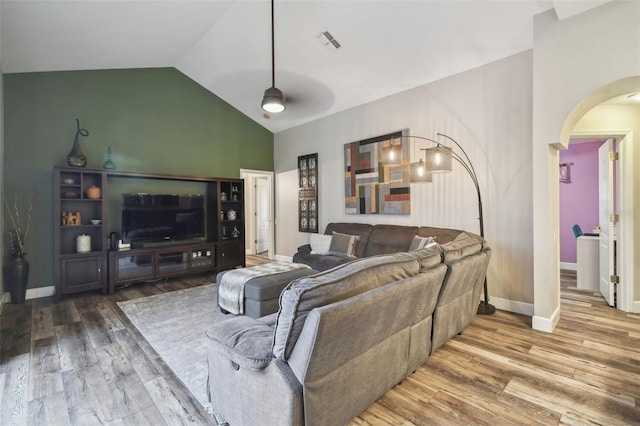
x: 156, y: 219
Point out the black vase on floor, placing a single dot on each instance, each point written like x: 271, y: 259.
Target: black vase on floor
x: 16, y: 277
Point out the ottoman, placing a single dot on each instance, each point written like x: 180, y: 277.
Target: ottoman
x: 262, y: 294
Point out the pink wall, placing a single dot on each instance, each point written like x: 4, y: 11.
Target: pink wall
x: 578, y: 199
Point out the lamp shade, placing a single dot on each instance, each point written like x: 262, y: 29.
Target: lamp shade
x: 418, y: 173
x: 273, y: 100
x: 438, y: 159
x: 392, y: 155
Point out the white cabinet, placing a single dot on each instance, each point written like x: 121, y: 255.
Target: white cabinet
x: 588, y: 263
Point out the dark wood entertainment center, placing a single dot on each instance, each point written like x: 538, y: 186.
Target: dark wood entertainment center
x: 77, y: 208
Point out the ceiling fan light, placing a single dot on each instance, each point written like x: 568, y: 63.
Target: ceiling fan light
x: 273, y: 100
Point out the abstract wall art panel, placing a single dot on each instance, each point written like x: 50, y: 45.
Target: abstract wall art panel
x: 372, y: 183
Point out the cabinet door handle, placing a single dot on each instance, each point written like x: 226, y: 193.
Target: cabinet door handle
x: 99, y: 269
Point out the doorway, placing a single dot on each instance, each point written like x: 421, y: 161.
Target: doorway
x: 588, y: 199
x: 619, y: 121
x: 259, y: 205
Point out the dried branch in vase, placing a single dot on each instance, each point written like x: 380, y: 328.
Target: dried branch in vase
x: 20, y: 225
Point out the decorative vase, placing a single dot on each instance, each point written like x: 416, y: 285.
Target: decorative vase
x: 93, y: 192
x: 109, y: 164
x: 76, y: 158
x: 16, y: 276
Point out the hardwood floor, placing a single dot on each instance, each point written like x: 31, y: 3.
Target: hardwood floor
x: 81, y: 362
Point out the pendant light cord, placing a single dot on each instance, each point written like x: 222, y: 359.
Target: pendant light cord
x: 273, y: 49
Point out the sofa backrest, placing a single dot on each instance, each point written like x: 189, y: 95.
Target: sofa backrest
x: 351, y: 352
x: 390, y: 239
x: 363, y: 230
x: 340, y: 283
x: 441, y: 235
x: 459, y: 296
x: 465, y: 244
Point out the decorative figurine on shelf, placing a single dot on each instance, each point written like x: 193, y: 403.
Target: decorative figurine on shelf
x: 231, y: 214
x: 235, y: 233
x: 76, y: 158
x: 71, y: 219
x: 109, y: 165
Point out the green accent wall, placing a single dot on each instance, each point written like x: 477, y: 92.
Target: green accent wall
x: 155, y: 120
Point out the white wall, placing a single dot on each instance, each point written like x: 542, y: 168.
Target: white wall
x: 488, y: 111
x: 572, y: 60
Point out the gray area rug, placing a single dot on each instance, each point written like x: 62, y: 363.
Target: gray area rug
x: 174, y: 324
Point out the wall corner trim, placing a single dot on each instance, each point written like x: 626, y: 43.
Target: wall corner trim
x: 546, y: 324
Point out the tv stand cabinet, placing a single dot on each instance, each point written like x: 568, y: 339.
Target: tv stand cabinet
x: 80, y: 211
x: 145, y: 264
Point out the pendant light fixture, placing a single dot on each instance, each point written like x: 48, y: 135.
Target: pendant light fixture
x: 273, y: 100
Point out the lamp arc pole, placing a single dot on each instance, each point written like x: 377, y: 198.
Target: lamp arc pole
x: 485, y: 308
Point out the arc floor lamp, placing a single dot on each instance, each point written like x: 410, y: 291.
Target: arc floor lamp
x: 437, y: 159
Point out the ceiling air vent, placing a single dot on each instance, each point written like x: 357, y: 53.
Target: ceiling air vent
x: 328, y: 40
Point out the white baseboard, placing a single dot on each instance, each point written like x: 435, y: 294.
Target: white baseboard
x: 512, y: 306
x: 36, y: 293
x: 4, y: 298
x: 282, y: 258
x: 32, y: 293
x: 546, y: 324
x: 569, y: 266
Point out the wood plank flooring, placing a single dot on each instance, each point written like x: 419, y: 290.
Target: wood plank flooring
x: 81, y: 362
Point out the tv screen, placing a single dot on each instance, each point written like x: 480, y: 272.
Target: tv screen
x: 162, y: 218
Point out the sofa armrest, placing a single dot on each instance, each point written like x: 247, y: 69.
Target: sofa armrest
x: 245, y: 341
x: 305, y: 249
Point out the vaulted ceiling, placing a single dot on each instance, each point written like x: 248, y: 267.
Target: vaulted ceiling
x: 387, y: 46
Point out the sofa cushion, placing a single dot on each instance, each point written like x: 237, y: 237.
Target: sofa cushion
x: 363, y: 230
x: 390, y: 239
x: 464, y: 245
x: 419, y: 242
x: 343, y: 244
x: 340, y: 283
x: 320, y: 243
x: 246, y: 341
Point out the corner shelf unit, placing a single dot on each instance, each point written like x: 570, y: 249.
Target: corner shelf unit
x: 231, y: 236
x: 73, y: 212
x: 105, y: 269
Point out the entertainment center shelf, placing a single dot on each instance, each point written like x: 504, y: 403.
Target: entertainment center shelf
x: 84, y: 258
x: 126, y: 266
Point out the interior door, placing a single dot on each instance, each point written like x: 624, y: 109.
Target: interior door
x: 263, y: 217
x: 606, y: 209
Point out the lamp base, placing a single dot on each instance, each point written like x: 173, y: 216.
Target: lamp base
x: 486, y: 309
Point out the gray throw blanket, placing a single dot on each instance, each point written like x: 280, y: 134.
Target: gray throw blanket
x: 231, y: 287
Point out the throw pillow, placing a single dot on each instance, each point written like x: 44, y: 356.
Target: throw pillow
x: 320, y: 243
x: 343, y: 244
x: 420, y: 242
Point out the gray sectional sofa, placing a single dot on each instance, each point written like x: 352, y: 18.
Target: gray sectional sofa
x: 343, y: 337
x: 372, y: 240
